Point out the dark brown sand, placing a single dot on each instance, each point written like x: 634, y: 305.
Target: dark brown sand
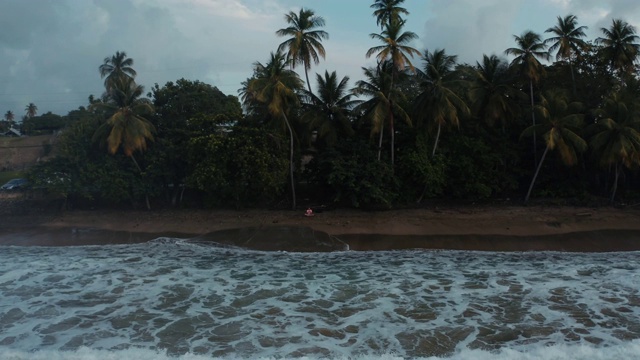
x: 507, y: 228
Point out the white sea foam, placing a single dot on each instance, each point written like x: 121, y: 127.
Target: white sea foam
x: 178, y: 300
x: 559, y: 352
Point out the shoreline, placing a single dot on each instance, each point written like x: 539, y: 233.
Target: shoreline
x: 490, y: 228
x: 479, y: 220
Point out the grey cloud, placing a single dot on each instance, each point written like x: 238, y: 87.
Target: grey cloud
x: 22, y: 21
x: 50, y: 50
x: 597, y: 14
x: 53, y: 59
x: 470, y: 28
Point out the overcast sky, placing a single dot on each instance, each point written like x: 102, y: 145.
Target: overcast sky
x: 50, y: 50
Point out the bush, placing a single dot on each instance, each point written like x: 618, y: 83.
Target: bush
x: 474, y: 171
x: 353, y: 176
x: 83, y: 171
x: 245, y: 167
x: 421, y: 175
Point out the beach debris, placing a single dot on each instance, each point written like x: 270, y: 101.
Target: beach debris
x: 309, y: 212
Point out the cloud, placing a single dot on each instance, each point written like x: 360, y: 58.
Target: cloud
x: 470, y: 28
x: 53, y: 61
x: 50, y: 50
x: 598, y: 14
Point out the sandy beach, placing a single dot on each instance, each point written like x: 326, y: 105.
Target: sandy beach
x: 467, y: 227
x: 518, y: 221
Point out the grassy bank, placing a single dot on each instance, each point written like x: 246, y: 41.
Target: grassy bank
x: 8, y: 175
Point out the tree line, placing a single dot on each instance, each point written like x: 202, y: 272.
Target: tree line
x: 9, y: 119
x: 558, y: 122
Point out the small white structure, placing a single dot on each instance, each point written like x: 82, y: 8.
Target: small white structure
x: 12, y: 132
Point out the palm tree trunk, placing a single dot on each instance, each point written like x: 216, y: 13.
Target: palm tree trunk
x: 606, y: 179
x: 393, y: 135
x: 535, y: 176
x: 435, y: 145
x: 306, y: 75
x: 424, y: 191
x: 293, y: 188
x: 433, y: 153
x: 146, y: 197
x: 533, y: 119
x: 380, y: 141
x: 615, y: 184
x: 573, y: 80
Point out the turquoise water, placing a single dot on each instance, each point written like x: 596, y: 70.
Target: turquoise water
x: 170, y: 298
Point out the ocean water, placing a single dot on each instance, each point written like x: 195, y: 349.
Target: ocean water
x: 175, y: 299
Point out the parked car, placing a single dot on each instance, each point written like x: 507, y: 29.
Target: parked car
x: 14, y: 184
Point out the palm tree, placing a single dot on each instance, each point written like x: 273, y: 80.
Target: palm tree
x: 437, y: 102
x: 31, y: 110
x: 567, y: 41
x: 9, y: 117
x: 387, y: 11
x: 493, y: 97
x: 330, y: 111
x: 305, y: 44
x: 530, y: 48
x: 126, y: 128
x: 379, y: 107
x: 394, y: 48
x: 561, y: 122
x: 616, y: 139
x: 619, y: 46
x: 275, y: 86
x: 116, y: 67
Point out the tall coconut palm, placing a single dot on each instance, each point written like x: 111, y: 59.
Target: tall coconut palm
x: 387, y: 11
x: 275, y: 86
x: 116, y: 67
x: 396, y: 49
x: 567, y: 42
x: 561, y: 122
x: 305, y: 43
x: 530, y: 49
x: 126, y: 128
x: 31, y: 110
x: 616, y: 139
x: 9, y: 117
x: 619, y: 46
x: 249, y: 99
x: 394, y: 46
x: 492, y: 95
x: 438, y: 103
x: 378, y: 106
x: 329, y: 112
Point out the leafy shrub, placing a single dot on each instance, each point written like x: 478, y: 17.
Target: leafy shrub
x: 353, y: 175
x: 241, y: 168
x: 421, y: 174
x: 474, y: 171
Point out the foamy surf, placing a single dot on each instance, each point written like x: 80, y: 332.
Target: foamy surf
x: 559, y: 352
x: 171, y: 299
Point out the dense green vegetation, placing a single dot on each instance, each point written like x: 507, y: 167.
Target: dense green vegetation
x: 561, y: 121
x: 5, y: 176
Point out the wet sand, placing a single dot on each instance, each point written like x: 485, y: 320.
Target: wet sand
x: 505, y: 228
